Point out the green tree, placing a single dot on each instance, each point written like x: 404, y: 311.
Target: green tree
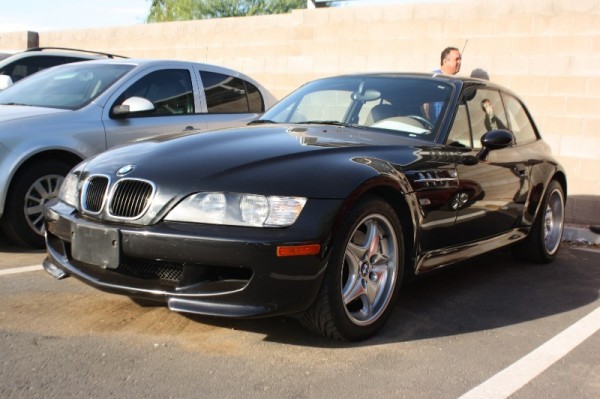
x: 183, y: 10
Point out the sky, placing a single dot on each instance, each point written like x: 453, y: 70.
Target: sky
x: 54, y: 15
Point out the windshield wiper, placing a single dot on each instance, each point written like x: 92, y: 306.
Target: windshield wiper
x: 260, y: 122
x: 332, y: 123
x: 316, y: 122
x: 26, y: 105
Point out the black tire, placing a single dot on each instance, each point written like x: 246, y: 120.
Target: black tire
x: 544, y: 238
x: 22, y: 221
x: 363, y: 276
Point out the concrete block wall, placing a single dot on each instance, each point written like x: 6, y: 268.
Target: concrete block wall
x: 17, y: 41
x: 548, y: 51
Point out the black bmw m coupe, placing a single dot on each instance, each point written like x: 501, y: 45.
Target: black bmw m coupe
x: 319, y: 209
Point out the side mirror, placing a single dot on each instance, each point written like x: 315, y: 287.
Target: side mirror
x: 5, y: 81
x: 495, y: 140
x: 133, y: 105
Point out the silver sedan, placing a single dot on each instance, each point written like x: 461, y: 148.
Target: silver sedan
x: 54, y: 119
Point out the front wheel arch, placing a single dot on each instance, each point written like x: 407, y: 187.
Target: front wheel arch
x: 363, y: 275
x: 12, y: 221
x: 407, y: 214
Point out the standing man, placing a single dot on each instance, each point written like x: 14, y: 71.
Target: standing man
x: 450, y: 65
x: 450, y: 61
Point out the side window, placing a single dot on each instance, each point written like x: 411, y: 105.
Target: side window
x: 170, y: 90
x: 30, y: 65
x: 255, y: 101
x: 229, y: 95
x: 486, y: 112
x: 521, y: 125
x: 460, y: 134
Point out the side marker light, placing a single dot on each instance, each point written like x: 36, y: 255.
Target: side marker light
x: 298, y: 250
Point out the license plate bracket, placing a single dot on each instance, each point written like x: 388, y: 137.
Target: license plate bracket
x: 96, y: 245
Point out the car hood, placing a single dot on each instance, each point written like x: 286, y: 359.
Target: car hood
x: 13, y: 112
x: 282, y: 159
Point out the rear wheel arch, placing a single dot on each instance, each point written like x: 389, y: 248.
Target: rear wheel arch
x: 561, y: 178
x: 542, y: 242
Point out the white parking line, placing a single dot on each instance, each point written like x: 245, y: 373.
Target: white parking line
x: 22, y: 269
x: 515, y: 376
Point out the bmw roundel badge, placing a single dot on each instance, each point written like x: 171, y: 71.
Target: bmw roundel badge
x: 125, y: 170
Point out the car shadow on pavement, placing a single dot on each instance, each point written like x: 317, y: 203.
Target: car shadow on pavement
x: 8, y: 246
x: 487, y: 292
x: 493, y: 291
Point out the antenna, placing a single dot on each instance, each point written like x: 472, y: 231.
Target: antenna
x: 462, y: 53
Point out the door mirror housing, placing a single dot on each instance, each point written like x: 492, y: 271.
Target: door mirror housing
x: 495, y: 140
x: 133, y: 105
x: 5, y: 81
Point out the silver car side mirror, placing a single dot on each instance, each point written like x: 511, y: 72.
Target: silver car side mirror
x: 133, y: 105
x: 5, y: 81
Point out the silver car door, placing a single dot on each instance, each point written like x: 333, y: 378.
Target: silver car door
x: 173, y: 93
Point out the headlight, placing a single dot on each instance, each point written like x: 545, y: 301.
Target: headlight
x: 69, y: 192
x: 238, y: 209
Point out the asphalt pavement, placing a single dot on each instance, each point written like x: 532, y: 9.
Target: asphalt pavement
x: 492, y: 327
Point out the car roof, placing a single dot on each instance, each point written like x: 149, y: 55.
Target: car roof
x: 148, y: 63
x: 56, y: 51
x: 453, y: 79
x: 71, y: 50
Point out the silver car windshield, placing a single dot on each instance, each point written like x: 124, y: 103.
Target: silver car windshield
x: 66, y: 87
x: 411, y: 106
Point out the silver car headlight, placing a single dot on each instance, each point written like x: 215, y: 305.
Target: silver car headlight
x: 238, y: 209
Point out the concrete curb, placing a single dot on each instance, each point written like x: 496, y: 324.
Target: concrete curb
x: 580, y: 234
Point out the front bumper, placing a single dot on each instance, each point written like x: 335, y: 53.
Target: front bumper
x: 210, y: 270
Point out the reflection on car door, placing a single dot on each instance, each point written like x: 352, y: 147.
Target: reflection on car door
x: 172, y: 93
x: 492, y: 193
x: 230, y: 100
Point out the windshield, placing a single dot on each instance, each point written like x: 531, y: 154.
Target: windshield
x: 67, y: 87
x: 412, y: 106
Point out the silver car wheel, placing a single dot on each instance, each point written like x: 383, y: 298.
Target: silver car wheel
x: 369, y: 270
x: 41, y: 191
x: 553, y: 221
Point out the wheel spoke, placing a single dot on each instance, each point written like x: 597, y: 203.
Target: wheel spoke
x: 41, y: 191
x: 352, y: 264
x: 353, y: 291
x: 367, y: 308
x: 369, y: 269
x: 354, y: 254
x: 373, y: 238
x: 37, y: 222
x: 553, y: 221
x: 34, y: 210
x: 377, y: 279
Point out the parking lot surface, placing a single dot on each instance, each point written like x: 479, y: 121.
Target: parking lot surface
x: 471, y: 330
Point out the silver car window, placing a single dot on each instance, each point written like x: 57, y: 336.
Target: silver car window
x: 67, y: 87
